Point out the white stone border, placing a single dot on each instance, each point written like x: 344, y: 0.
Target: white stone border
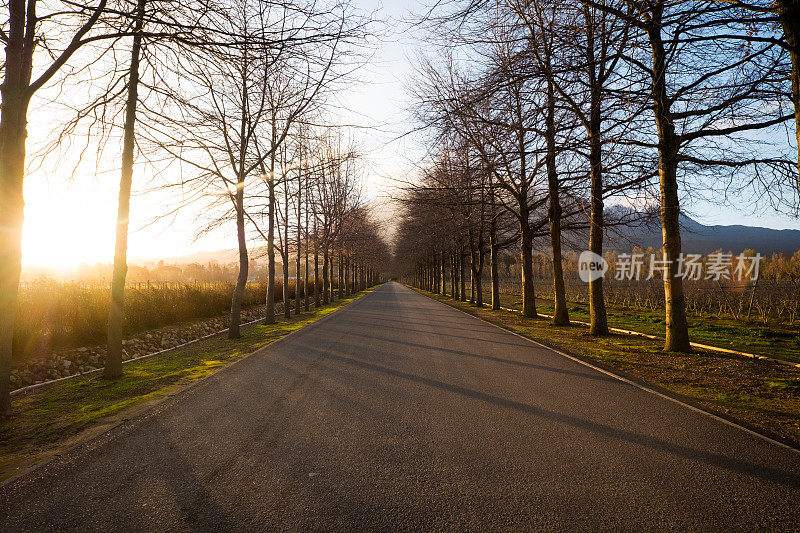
x: 640, y: 386
x: 44, y: 384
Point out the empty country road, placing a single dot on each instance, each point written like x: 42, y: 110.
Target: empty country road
x: 401, y: 413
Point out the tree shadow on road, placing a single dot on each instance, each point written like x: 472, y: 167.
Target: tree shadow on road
x: 708, y: 457
x: 594, y: 376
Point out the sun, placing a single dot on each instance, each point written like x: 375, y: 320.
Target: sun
x: 67, y: 224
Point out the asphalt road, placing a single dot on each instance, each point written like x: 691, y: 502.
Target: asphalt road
x: 401, y: 413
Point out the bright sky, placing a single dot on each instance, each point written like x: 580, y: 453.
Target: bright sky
x: 68, y: 222
x: 71, y: 221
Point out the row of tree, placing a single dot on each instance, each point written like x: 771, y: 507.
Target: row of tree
x: 224, y: 101
x: 541, y: 114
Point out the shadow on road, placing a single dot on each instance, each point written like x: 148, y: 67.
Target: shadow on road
x: 710, y: 458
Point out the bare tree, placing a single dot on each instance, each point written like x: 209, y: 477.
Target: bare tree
x: 733, y: 84
x: 24, y: 73
x: 590, y: 76
x: 113, y: 367
x: 705, y: 92
x: 244, y: 99
x: 497, y: 114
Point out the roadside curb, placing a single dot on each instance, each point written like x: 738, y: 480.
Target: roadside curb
x: 698, y: 345
x: 629, y: 381
x: 706, y: 347
x: 45, y: 384
x: 175, y: 395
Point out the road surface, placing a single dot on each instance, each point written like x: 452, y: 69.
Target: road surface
x: 401, y: 413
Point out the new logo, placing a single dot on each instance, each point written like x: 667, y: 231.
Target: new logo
x: 591, y: 266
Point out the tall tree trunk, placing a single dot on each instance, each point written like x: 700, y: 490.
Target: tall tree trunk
x: 325, y: 293
x: 346, y: 280
x: 433, y: 276
x: 493, y: 245
x: 234, y: 331
x: 346, y: 274
x: 332, y: 275
x: 493, y: 268
x: 316, y: 279
x: 287, y: 311
x: 478, y: 277
x: 270, y: 311
x: 443, y: 264
x: 113, y: 367
x: 526, y: 260
x: 297, y: 302
x: 472, y: 277
x: 677, y: 337
x: 437, y: 279
x: 462, y: 276
x: 316, y: 266
x: 471, y: 268
x: 340, y: 271
x: 13, y: 132
x: 598, y: 321
x: 789, y: 13
x: 305, y: 283
x: 561, y: 313
x: 241, y: 281
x: 453, y: 278
x: 457, y: 276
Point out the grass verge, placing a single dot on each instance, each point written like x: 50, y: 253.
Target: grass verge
x: 760, y: 395
x: 779, y: 341
x: 48, y: 421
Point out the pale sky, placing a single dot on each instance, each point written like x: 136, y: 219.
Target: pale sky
x: 72, y: 222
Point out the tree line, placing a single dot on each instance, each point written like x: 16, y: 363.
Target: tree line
x: 540, y: 117
x: 226, y: 102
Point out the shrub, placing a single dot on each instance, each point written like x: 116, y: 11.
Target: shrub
x: 64, y: 315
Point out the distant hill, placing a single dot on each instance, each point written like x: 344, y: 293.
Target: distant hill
x: 702, y: 239
x: 696, y: 238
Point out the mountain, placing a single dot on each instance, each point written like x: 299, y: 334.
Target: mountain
x: 701, y: 239
x: 696, y: 238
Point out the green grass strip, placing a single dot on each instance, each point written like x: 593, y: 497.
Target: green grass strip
x: 47, y: 420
